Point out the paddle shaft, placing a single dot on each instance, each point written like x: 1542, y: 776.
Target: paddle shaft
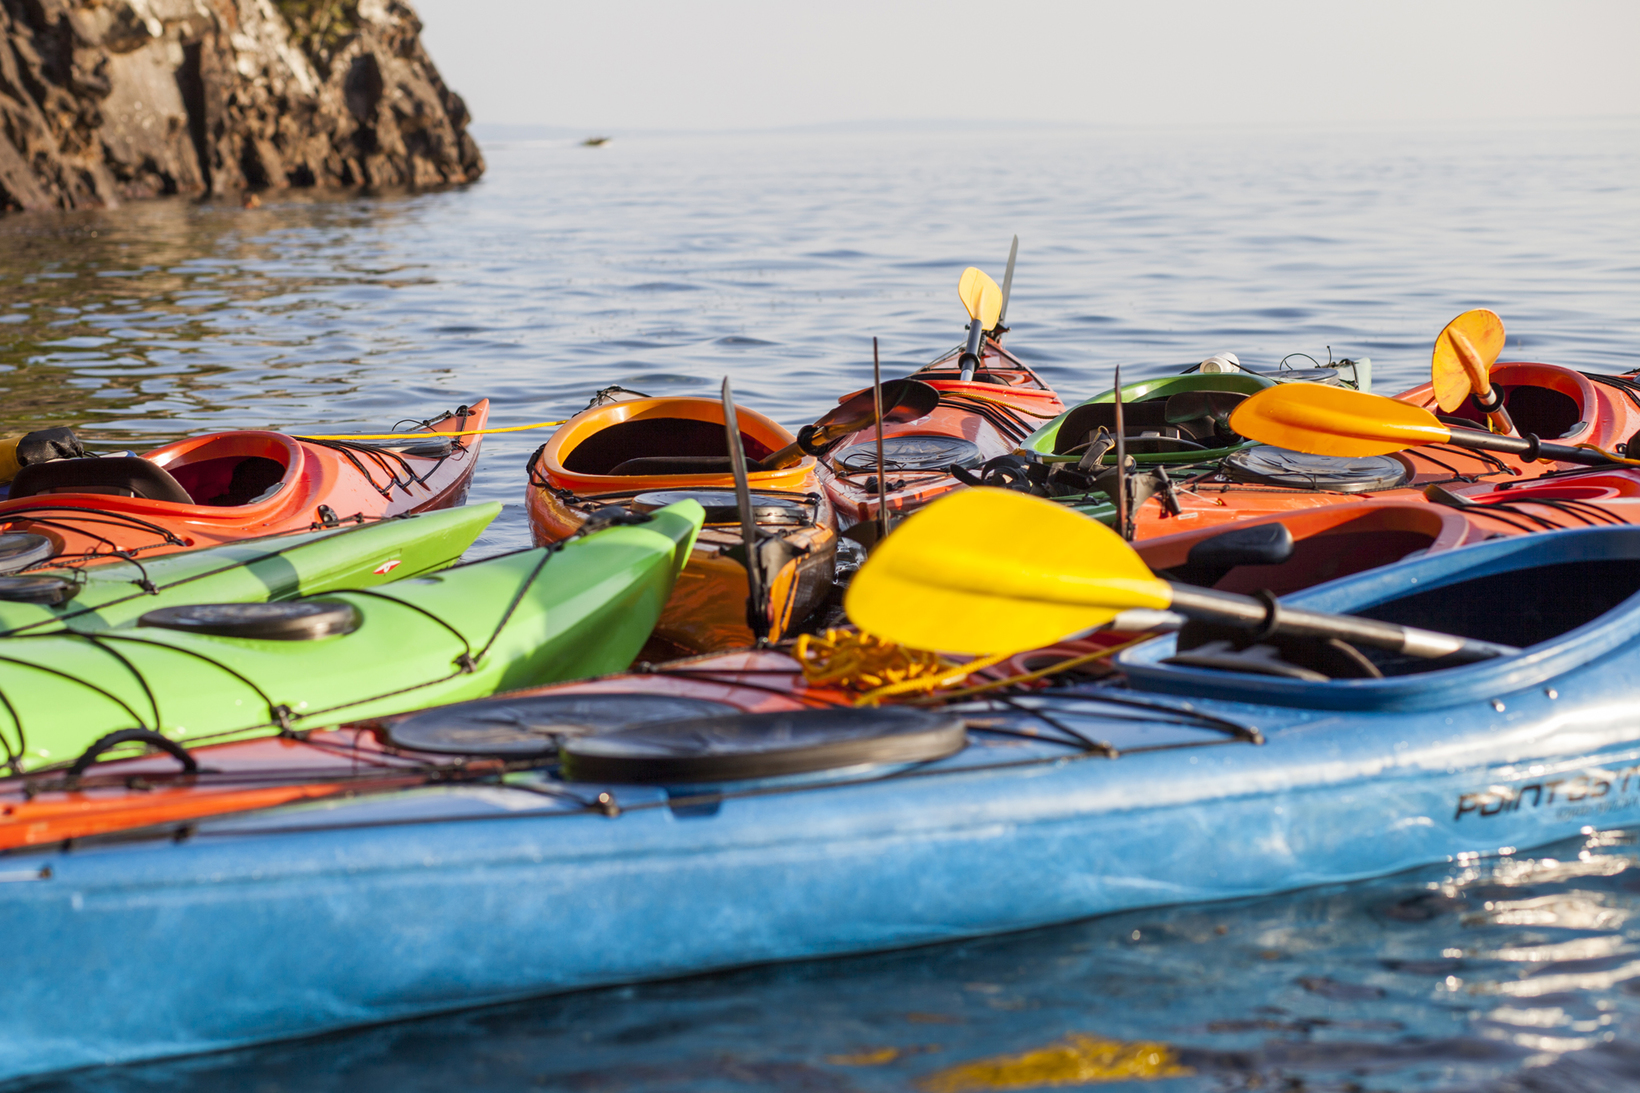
x: 756, y: 617
x: 1270, y: 618
x: 882, y: 464
x: 970, y: 353
x: 1528, y: 446
x: 1121, y: 457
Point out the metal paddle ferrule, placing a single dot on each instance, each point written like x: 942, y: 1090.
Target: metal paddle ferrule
x: 1268, y: 618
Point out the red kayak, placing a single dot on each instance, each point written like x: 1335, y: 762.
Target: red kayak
x: 976, y: 421
x: 223, y: 487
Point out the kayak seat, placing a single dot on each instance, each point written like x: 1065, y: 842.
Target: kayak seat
x: 250, y: 480
x: 1149, y: 425
x: 1543, y: 411
x: 674, y: 464
x: 120, y: 476
x: 1231, y: 649
x: 1522, y: 607
x: 658, y: 438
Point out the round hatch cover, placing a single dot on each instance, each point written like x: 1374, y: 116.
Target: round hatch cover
x: 523, y: 728
x: 1270, y: 466
x: 911, y: 453
x: 50, y: 591
x: 301, y: 621
x: 761, y: 745
x: 19, y: 550
x: 722, y: 508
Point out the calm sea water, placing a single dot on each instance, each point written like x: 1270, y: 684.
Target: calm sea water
x: 664, y: 264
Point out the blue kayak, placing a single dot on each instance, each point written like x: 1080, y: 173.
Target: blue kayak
x: 693, y: 837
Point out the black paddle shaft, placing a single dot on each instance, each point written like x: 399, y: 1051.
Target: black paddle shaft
x: 1528, y: 446
x: 1267, y: 618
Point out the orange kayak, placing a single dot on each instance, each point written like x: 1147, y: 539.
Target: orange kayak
x: 223, y: 487
x: 1255, y: 482
x: 975, y: 422
x: 638, y: 454
x: 1332, y: 541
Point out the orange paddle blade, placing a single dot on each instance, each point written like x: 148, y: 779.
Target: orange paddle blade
x: 1321, y: 420
x: 1464, y: 354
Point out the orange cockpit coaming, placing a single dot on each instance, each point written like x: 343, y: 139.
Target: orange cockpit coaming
x: 659, y: 446
x: 230, y: 470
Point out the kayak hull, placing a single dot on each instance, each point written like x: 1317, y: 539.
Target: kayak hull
x: 303, y: 484
x: 272, y: 924
x: 570, y: 482
x: 216, y: 943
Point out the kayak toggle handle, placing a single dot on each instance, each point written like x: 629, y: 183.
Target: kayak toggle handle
x: 1267, y: 618
x: 126, y: 736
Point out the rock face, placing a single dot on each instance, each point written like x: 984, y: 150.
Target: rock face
x: 105, y: 100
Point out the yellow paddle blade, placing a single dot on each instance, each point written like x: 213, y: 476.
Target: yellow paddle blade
x: 1321, y: 420
x: 993, y: 571
x: 1464, y: 353
x: 981, y: 296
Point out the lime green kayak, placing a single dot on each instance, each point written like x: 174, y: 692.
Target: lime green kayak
x: 230, y: 671
x: 279, y: 567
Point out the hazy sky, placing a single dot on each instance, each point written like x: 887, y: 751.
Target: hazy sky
x: 726, y: 64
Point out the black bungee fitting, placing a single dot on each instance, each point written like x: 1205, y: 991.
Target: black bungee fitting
x: 1267, y: 465
x: 535, y: 727
x: 305, y: 620
x: 744, y: 746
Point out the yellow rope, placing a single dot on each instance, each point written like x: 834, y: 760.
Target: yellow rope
x: 413, y: 436
x: 1613, y: 456
x: 1042, y: 673
x: 928, y: 684
x: 860, y: 662
x: 881, y: 669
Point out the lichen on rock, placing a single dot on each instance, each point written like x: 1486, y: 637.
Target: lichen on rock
x: 107, y: 100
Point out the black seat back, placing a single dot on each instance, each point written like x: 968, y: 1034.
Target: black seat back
x: 122, y: 476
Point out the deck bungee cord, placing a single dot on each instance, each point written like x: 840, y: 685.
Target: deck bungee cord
x: 157, y: 679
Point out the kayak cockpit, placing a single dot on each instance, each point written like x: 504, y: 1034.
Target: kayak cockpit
x: 1173, y: 415
x: 659, y: 446
x: 1548, y: 401
x: 629, y: 445
x: 219, y: 471
x: 1561, y: 599
x: 229, y: 470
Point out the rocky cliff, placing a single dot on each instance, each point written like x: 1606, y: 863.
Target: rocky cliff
x: 106, y: 100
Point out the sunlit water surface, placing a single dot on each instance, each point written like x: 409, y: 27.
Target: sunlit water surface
x: 665, y: 264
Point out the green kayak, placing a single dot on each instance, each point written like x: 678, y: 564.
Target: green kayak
x: 278, y: 567
x: 1145, y: 406
x: 582, y: 607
